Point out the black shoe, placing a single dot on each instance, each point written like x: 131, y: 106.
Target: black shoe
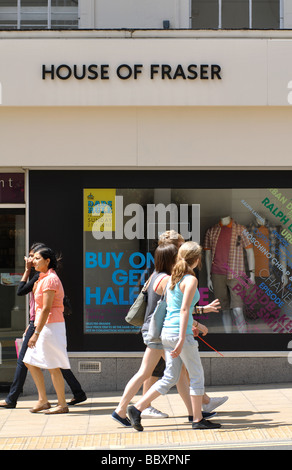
x: 4, y: 404
x: 205, y: 424
x: 135, y: 418
x: 205, y: 415
x: 75, y: 400
x: 123, y: 421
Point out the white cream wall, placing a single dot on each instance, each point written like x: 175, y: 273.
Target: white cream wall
x: 253, y: 71
x: 146, y: 137
x: 113, y: 14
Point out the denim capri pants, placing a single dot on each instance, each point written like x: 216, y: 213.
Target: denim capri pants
x: 189, y: 356
x: 149, y: 343
x: 160, y: 366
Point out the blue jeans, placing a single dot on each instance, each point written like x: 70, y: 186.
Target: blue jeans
x: 190, y: 357
x: 21, y: 370
x: 21, y: 373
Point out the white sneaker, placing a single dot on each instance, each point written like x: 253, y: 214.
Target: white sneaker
x: 214, y: 403
x: 151, y: 412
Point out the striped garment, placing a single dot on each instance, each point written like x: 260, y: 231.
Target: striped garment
x: 272, y: 241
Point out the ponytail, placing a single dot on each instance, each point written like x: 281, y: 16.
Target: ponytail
x: 188, y: 254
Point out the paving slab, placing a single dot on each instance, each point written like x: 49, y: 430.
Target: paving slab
x: 253, y: 415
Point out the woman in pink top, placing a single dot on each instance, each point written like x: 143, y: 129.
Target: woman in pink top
x: 47, y: 348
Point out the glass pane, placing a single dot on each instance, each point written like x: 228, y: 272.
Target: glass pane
x: 59, y: 24
x: 247, y: 239
x: 64, y: 14
x: 64, y: 3
x: 8, y: 3
x: 34, y: 14
x: 12, y: 307
x: 204, y: 14
x: 265, y: 14
x: 8, y: 14
x: 33, y: 24
x: 34, y: 3
x: 235, y: 14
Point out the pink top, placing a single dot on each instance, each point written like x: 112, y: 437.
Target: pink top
x: 49, y: 281
x: 221, y: 256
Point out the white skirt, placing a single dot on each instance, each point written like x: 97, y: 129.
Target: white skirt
x: 51, y: 348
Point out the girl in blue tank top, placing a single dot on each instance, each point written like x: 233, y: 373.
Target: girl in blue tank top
x: 178, y: 341
x: 174, y: 301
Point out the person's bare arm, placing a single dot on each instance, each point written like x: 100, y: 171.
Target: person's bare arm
x: 48, y: 297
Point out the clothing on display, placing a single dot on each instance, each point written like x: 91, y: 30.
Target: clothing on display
x: 266, y: 234
x: 224, y: 246
x: 231, y: 238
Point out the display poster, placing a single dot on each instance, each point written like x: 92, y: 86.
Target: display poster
x: 246, y: 236
x: 114, y: 269
x: 121, y: 228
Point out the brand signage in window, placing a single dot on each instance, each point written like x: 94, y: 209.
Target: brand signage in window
x: 11, y: 188
x: 121, y: 228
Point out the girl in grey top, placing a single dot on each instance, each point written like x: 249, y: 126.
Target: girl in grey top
x: 164, y: 259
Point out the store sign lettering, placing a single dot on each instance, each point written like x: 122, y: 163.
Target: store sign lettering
x: 11, y: 187
x: 126, y: 71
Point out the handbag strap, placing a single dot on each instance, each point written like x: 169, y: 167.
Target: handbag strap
x: 160, y: 282
x: 164, y: 291
x: 146, y: 285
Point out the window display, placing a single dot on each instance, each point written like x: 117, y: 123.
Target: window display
x: 246, y: 235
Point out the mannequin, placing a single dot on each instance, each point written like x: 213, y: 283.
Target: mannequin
x: 268, y: 230
x: 224, y: 244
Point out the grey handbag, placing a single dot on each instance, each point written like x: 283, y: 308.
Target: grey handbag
x: 157, y: 319
x: 136, y: 314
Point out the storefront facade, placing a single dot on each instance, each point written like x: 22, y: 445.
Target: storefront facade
x: 119, y: 136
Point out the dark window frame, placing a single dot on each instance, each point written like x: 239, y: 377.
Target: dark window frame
x: 56, y: 218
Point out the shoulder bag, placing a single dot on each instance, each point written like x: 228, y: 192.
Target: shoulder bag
x: 136, y: 314
x: 157, y: 319
x: 18, y: 345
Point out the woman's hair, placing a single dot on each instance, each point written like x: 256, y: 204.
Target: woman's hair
x: 188, y: 254
x: 46, y: 253
x: 35, y: 246
x: 171, y: 236
x: 164, y: 258
x: 33, y: 249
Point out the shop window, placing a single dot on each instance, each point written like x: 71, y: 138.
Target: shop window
x: 205, y: 14
x: 236, y: 14
x: 39, y: 14
x: 266, y: 14
x: 247, y: 263
x: 12, y: 251
x: 12, y: 307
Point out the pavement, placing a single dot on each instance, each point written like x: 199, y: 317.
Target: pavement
x: 254, y: 415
